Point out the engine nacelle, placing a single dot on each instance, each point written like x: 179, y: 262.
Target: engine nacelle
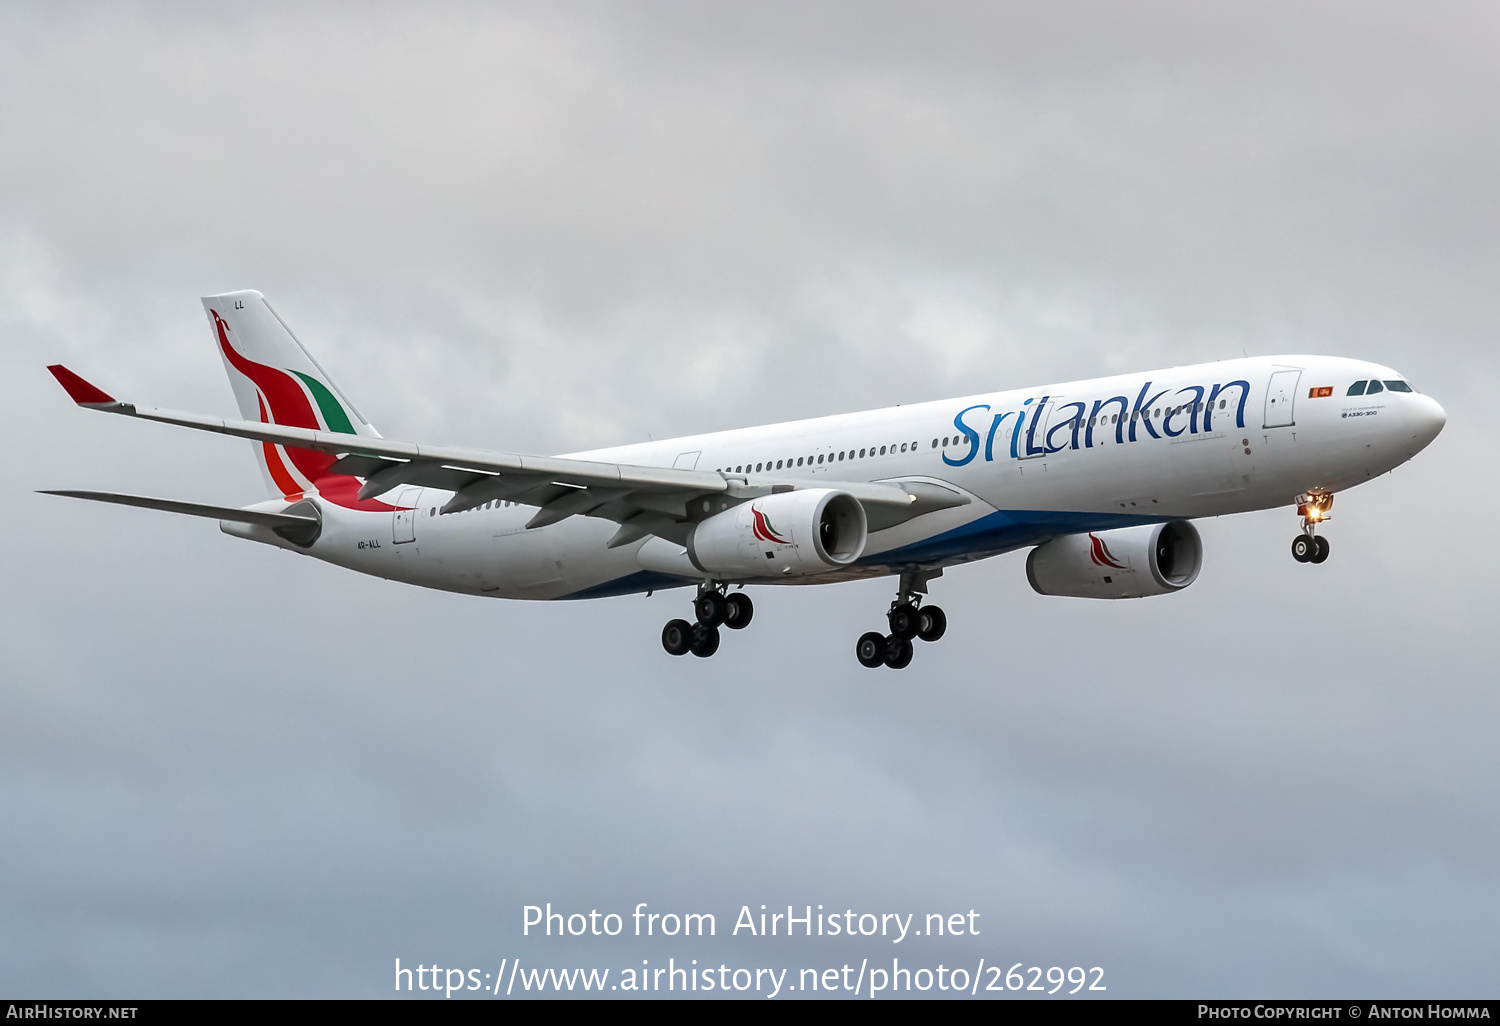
x: 1130, y: 562
x: 790, y: 534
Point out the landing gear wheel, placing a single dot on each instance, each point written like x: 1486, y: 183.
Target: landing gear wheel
x: 738, y: 611
x: 677, y: 637
x: 710, y: 608
x: 932, y: 623
x: 705, y: 640
x: 898, y: 652
x: 870, y: 650
x: 903, y: 621
x: 1320, y: 551
x: 1303, y: 548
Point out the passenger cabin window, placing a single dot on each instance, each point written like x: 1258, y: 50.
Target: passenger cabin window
x: 1398, y: 386
x: 1358, y: 388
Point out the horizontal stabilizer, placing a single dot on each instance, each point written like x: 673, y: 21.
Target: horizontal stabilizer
x: 196, y: 509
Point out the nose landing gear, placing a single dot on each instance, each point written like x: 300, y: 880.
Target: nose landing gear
x: 713, y: 608
x: 1313, y: 508
x: 907, y: 619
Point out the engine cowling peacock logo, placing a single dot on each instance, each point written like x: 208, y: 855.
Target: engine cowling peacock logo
x: 1101, y: 555
x: 764, y: 530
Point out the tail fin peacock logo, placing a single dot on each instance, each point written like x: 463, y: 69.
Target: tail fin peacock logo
x: 297, y: 400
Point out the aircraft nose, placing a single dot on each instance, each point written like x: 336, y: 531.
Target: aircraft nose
x: 1428, y: 419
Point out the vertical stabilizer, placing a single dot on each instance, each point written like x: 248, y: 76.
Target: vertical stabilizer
x: 277, y: 381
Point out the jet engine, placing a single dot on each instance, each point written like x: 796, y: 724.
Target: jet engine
x: 791, y: 534
x: 1131, y: 562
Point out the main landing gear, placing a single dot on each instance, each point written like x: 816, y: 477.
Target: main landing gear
x: 712, y: 609
x: 907, y: 619
x: 1313, y: 508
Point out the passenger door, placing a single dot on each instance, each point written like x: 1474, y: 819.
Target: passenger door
x: 1033, y: 441
x: 1281, y: 394
x: 404, y: 519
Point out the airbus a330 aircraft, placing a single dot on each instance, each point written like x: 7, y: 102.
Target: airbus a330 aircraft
x: 1103, y: 477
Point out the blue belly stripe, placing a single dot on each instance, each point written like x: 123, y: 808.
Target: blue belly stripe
x: 1003, y: 531
x: 632, y: 584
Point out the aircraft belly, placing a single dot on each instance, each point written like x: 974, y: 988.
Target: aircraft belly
x: 560, y: 560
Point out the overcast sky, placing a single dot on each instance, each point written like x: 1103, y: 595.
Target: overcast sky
x: 226, y: 770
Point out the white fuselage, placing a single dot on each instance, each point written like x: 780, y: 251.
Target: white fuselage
x: 1035, y: 463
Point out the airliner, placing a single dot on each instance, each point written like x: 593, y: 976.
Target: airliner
x: 1101, y: 479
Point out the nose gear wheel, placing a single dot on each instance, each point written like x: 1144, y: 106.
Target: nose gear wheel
x: 1313, y: 508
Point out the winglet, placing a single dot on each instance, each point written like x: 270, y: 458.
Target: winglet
x: 80, y: 391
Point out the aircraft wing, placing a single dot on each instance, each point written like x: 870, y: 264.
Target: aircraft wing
x: 643, y: 500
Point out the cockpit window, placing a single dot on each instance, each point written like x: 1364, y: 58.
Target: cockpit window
x: 1398, y: 386
x: 1374, y: 387
x: 1358, y: 388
